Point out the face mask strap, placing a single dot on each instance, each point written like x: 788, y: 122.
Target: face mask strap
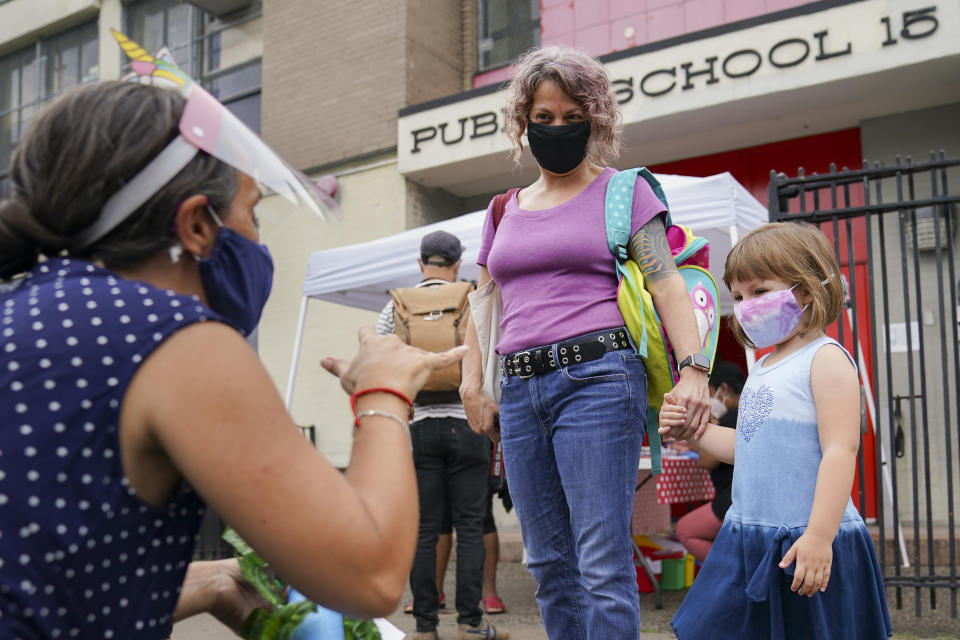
x: 213, y: 214
x: 158, y: 172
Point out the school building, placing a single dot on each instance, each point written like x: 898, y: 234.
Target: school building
x: 399, y: 101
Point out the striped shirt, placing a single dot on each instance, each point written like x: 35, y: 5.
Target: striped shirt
x: 385, y: 326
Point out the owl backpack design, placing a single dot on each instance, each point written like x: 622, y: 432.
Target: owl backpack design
x: 692, y: 256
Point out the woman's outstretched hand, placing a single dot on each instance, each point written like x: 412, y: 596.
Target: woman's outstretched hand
x: 385, y: 361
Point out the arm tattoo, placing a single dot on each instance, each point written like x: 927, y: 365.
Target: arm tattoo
x: 650, y: 249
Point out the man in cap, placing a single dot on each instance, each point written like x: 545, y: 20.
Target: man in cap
x: 452, y: 462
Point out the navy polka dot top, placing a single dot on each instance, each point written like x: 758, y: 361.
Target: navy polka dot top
x: 81, y: 556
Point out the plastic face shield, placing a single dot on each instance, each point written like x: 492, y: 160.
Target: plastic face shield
x: 208, y: 126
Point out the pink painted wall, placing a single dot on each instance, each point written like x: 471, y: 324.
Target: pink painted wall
x: 605, y: 26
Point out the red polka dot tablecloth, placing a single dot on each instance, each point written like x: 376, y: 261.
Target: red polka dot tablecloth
x: 683, y: 480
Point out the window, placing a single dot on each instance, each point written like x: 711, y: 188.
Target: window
x: 36, y: 74
x: 170, y: 23
x: 224, y: 57
x: 507, y: 29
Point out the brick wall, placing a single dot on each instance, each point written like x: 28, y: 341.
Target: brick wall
x: 335, y: 74
x: 439, y: 56
x: 333, y: 78
x: 434, y: 65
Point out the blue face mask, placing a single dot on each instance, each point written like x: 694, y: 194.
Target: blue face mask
x: 237, y: 278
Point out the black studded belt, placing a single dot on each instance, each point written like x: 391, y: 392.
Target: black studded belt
x: 585, y: 348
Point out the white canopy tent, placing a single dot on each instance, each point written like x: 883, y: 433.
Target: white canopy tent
x: 717, y: 207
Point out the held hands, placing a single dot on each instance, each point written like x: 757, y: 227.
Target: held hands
x: 814, y: 556
x: 385, y: 361
x: 692, y: 394
x: 672, y: 418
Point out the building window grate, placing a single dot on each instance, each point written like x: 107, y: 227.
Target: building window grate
x: 507, y: 28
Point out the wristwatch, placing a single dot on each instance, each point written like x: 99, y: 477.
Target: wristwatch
x: 697, y: 361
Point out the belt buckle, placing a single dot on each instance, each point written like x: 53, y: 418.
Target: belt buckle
x: 516, y: 365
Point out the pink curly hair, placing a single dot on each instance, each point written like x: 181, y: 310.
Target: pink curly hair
x: 582, y: 78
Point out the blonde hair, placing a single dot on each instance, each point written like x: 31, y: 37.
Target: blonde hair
x: 581, y: 77
x: 796, y: 253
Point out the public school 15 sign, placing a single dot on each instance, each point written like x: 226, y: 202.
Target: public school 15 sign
x: 692, y: 68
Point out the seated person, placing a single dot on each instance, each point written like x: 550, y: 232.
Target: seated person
x: 697, y: 529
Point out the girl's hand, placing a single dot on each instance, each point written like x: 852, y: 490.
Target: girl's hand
x: 672, y: 418
x: 385, y: 361
x: 814, y: 556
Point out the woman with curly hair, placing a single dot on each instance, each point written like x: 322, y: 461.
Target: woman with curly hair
x: 572, y: 415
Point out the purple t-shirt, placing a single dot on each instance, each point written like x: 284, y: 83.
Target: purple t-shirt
x: 553, y: 267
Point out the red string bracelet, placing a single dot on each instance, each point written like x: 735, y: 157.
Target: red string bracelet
x: 363, y: 392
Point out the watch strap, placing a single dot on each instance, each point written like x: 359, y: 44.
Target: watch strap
x: 701, y: 363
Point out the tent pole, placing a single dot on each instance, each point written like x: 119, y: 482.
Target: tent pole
x: 298, y: 339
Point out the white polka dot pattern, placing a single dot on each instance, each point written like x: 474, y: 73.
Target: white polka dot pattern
x: 81, y: 556
x: 683, y: 480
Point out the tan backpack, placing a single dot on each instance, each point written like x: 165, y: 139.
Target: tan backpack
x: 434, y: 318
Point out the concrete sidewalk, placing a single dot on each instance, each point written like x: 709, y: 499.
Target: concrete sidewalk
x: 522, y: 618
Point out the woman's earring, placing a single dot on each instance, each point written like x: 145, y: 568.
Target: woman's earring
x: 176, y: 250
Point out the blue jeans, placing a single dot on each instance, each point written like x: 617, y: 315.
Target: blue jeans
x: 571, y: 444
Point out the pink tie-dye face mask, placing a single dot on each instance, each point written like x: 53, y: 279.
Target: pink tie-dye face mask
x: 771, y: 318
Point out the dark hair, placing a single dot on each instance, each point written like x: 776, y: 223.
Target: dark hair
x: 81, y: 150
x: 726, y: 371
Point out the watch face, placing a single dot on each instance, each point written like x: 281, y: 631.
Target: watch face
x: 701, y: 361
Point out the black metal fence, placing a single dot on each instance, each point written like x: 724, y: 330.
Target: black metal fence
x: 893, y: 231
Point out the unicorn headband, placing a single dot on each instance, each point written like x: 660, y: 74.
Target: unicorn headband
x: 204, y: 125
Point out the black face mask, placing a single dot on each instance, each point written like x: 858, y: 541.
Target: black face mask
x: 561, y: 148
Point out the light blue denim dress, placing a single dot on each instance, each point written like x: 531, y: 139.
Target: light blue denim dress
x: 741, y: 592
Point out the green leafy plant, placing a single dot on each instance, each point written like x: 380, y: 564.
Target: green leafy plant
x: 280, y: 623
x: 360, y: 630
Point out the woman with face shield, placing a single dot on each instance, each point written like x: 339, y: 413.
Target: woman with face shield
x: 130, y: 398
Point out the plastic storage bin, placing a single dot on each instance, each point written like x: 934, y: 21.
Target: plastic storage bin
x: 643, y: 581
x: 673, y: 575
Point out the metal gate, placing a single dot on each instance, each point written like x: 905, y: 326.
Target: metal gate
x: 893, y: 231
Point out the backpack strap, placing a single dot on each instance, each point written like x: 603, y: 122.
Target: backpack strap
x: 500, y: 205
x: 618, y: 217
x: 618, y: 207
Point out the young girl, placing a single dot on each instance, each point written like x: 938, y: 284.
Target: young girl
x: 793, y: 558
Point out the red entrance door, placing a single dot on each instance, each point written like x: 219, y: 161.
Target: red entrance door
x: 751, y: 167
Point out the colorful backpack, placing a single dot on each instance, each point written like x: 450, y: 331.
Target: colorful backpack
x: 692, y: 256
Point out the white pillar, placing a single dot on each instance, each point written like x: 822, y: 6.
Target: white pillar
x: 111, y: 57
